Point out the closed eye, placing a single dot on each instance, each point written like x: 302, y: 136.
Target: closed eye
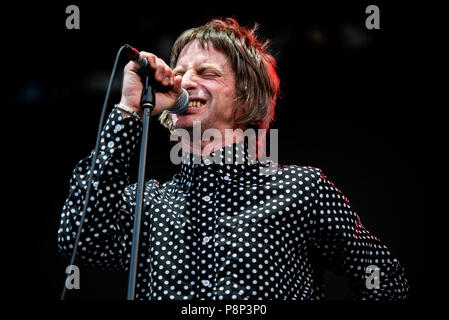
x: 209, y: 73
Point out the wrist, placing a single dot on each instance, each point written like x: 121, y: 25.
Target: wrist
x: 131, y: 103
x: 128, y: 111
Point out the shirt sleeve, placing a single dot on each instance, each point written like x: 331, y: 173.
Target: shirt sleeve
x: 347, y: 248
x: 105, y: 237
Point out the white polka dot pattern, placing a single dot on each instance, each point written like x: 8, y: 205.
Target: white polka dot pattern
x: 223, y: 231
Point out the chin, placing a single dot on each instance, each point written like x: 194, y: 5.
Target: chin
x: 186, y: 121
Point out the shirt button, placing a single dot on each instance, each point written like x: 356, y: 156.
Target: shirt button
x: 206, y: 198
x: 206, y: 239
x: 205, y: 283
x: 206, y: 162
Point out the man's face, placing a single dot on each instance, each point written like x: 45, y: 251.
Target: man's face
x: 210, y: 81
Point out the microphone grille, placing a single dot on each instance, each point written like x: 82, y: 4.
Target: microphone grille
x: 181, y: 103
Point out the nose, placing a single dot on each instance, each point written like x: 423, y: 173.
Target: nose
x: 188, y: 80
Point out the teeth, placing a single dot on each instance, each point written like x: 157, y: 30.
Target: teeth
x: 195, y: 104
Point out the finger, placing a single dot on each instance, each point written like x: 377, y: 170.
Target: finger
x: 159, y: 74
x: 164, y: 72
x: 152, y: 59
x: 169, y: 76
x: 177, y: 84
x: 165, y: 82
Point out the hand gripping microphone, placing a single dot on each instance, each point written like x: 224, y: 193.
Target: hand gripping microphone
x: 143, y: 66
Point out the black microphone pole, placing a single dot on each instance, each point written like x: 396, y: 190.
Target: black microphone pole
x: 147, y: 102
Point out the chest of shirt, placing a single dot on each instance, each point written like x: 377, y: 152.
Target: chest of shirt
x: 227, y: 215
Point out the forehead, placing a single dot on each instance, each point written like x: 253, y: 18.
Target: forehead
x: 194, y: 54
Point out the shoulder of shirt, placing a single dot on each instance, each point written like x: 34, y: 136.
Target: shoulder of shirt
x: 314, y: 177
x: 302, y: 172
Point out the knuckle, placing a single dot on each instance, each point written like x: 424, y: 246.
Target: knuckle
x: 129, y: 65
x: 147, y: 54
x: 151, y: 58
x: 162, y: 63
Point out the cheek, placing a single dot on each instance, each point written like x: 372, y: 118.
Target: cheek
x: 226, y: 100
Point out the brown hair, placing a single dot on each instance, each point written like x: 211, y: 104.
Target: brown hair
x: 256, y: 79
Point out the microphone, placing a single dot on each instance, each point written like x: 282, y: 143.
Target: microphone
x: 144, y: 68
x: 134, y: 55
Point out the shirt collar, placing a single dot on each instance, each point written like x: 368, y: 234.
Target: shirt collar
x: 231, y: 162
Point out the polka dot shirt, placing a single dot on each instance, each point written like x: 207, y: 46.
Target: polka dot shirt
x: 221, y: 230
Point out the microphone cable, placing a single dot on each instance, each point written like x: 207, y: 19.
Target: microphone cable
x: 92, y: 165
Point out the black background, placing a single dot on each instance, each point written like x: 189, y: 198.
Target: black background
x: 353, y: 104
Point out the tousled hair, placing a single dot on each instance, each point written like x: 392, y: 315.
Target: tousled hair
x: 256, y: 78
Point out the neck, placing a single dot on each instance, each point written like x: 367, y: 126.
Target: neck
x: 205, y: 147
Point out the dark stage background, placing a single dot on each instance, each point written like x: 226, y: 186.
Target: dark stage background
x: 352, y: 105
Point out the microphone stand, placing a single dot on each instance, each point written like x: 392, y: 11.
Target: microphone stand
x: 147, y: 102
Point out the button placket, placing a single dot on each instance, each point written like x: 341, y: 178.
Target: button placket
x: 206, y: 259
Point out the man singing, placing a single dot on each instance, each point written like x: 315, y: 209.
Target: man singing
x: 220, y: 229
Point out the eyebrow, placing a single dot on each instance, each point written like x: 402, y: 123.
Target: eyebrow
x: 202, y: 66
x: 205, y: 66
x: 178, y: 69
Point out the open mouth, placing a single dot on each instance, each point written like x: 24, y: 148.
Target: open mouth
x: 196, y: 103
